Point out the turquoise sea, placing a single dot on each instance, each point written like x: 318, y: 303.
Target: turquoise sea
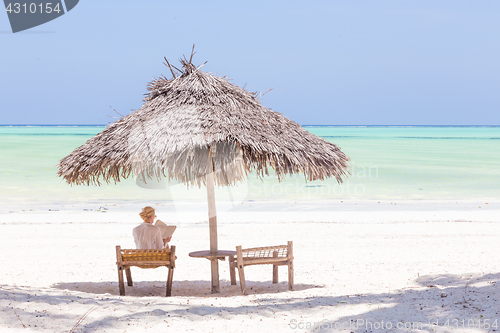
x: 388, y: 162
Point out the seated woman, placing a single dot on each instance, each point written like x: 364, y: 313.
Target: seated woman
x: 147, y: 235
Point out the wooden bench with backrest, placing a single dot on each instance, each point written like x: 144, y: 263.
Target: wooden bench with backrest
x: 126, y: 258
x: 272, y: 255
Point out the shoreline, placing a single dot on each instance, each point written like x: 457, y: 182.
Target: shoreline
x: 327, y: 211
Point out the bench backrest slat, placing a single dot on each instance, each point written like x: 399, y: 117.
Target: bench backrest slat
x: 279, y: 251
x: 145, y: 255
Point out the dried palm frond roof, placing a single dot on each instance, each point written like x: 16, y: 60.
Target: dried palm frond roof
x: 191, y: 117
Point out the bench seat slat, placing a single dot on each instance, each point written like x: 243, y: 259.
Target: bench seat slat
x: 144, y: 262
x: 261, y: 261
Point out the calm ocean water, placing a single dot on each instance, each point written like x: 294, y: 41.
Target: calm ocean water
x: 389, y: 162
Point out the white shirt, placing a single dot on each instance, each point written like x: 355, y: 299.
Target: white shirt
x: 147, y: 236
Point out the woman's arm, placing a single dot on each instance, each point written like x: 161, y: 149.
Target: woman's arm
x: 165, y: 241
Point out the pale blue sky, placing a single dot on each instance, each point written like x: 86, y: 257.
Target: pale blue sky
x: 329, y: 62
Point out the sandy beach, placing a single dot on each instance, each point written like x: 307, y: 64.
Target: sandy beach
x: 360, y: 266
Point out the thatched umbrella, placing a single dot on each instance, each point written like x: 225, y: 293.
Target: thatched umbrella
x: 201, y: 129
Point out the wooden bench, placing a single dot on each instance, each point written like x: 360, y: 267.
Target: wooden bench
x: 126, y: 258
x: 272, y: 255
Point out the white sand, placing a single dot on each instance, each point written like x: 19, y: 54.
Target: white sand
x: 366, y: 262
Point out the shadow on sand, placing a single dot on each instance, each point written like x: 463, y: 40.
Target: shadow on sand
x: 436, y: 299
x: 180, y: 288
x: 441, y: 303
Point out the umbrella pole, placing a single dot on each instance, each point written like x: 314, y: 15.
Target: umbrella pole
x: 212, y: 221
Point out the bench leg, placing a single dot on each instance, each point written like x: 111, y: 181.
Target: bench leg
x: 121, y: 285
x: 170, y: 278
x: 232, y: 270
x: 241, y: 272
x: 275, y: 273
x: 129, y: 276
